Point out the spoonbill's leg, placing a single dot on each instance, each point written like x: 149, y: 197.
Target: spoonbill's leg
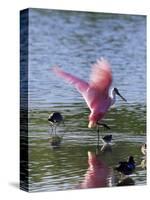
x: 98, y: 136
x: 98, y: 130
x: 103, y: 124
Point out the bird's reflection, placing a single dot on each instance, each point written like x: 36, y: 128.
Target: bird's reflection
x: 106, y: 148
x: 97, y: 173
x: 126, y: 181
x: 55, y: 141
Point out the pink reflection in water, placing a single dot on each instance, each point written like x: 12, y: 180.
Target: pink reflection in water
x: 97, y: 173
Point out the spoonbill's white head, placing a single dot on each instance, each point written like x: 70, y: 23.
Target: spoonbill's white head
x: 113, y: 94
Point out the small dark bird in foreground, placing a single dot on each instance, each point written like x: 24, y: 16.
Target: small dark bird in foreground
x: 126, y: 167
x: 98, y: 130
x: 107, y: 138
x: 55, y: 119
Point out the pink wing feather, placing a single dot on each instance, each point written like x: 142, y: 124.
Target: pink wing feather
x: 96, y: 92
x: 101, y: 76
x: 79, y: 84
x: 100, y: 81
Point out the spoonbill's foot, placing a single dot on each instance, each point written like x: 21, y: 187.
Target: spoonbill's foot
x: 104, y: 125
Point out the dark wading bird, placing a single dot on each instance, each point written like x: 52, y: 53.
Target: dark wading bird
x: 96, y: 93
x: 106, y: 127
x: 106, y: 144
x: 55, y: 119
x: 126, y: 167
x: 107, y: 138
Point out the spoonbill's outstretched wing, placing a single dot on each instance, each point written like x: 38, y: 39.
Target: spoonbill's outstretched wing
x: 101, y: 76
x: 79, y: 84
x: 100, y: 81
x: 96, y: 92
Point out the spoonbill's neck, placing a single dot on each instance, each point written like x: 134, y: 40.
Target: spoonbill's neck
x: 112, y: 96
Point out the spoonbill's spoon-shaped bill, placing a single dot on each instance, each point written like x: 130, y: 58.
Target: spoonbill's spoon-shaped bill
x: 118, y: 93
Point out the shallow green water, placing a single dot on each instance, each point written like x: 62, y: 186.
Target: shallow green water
x: 64, y: 168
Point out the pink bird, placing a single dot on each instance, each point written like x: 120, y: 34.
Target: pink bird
x: 96, y: 92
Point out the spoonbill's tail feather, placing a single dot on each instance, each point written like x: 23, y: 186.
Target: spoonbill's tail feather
x: 79, y: 84
x: 101, y: 76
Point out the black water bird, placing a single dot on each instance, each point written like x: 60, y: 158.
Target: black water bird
x: 107, y: 138
x: 98, y: 130
x: 126, y: 167
x: 55, y: 119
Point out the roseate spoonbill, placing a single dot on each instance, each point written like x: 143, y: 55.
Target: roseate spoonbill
x: 97, y: 173
x: 107, y: 138
x: 96, y: 92
x: 55, y: 119
x: 126, y: 167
